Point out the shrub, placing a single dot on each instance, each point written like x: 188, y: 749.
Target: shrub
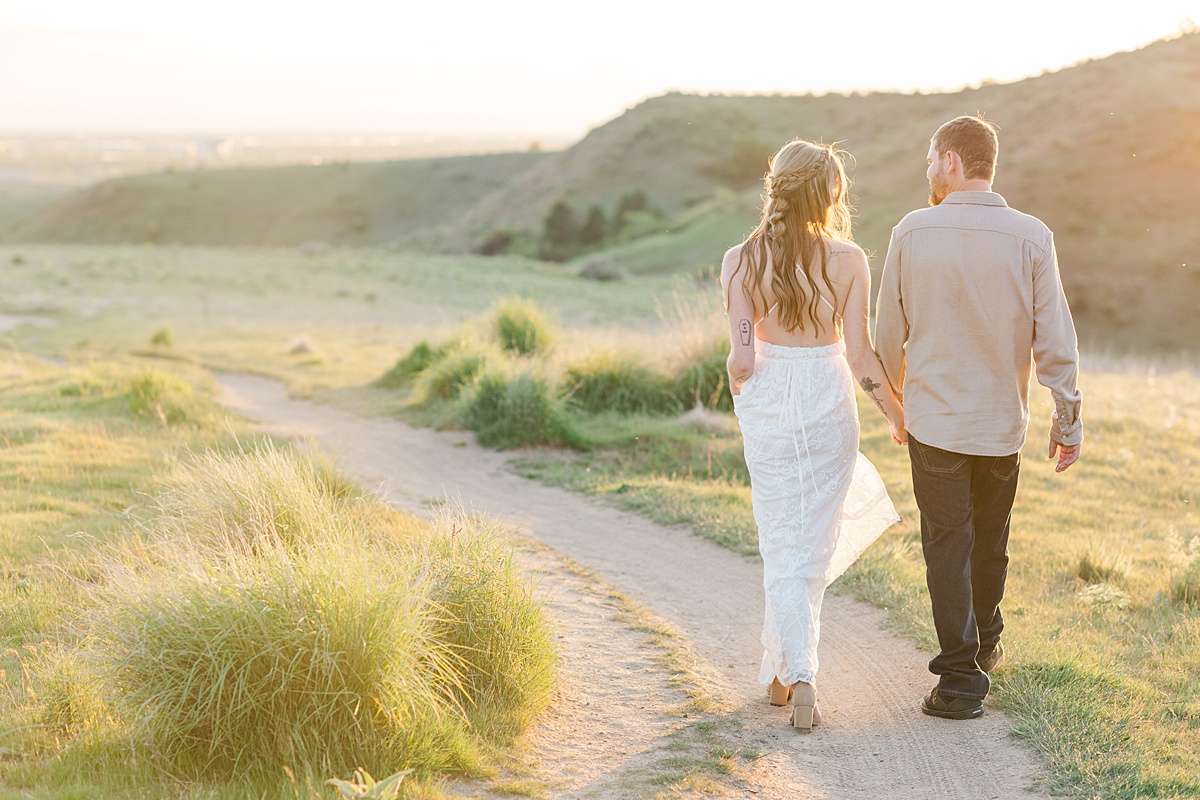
x: 445, y: 377
x: 594, y: 229
x: 250, y: 662
x: 169, y: 399
x: 260, y: 497
x: 1185, y: 575
x: 497, y: 243
x: 162, y: 338
x: 699, y: 350
x: 601, y: 268
x: 341, y: 634
x: 403, y: 371
x: 497, y: 635
x: 520, y: 327
x: 560, y: 233
x: 1099, y: 564
x: 510, y: 412
x: 703, y: 379
x: 619, y: 380
x: 69, y: 700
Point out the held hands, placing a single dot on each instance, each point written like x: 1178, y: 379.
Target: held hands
x: 896, y: 425
x: 1068, y: 454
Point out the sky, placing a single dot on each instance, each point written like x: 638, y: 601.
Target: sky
x: 524, y: 67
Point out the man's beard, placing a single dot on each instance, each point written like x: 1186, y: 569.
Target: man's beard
x: 939, y: 187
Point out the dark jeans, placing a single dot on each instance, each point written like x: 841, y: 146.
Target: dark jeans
x: 966, y: 503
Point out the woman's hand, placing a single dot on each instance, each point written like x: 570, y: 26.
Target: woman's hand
x: 896, y: 425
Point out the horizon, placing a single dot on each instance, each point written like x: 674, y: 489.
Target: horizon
x: 137, y: 69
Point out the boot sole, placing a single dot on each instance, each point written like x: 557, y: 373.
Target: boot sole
x: 969, y: 713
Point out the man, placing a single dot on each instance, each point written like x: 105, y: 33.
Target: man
x: 970, y: 295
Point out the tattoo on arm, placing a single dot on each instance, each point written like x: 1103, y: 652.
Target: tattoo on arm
x: 745, y: 328
x: 869, y: 386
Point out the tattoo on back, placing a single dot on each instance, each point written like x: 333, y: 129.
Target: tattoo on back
x: 747, y: 330
x: 869, y: 386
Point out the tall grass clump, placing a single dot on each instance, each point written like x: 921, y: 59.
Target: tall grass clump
x: 149, y: 394
x: 404, y: 370
x: 1101, y: 564
x: 492, y: 626
x: 1185, y: 573
x: 512, y: 410
x: 269, y: 614
x: 619, y: 380
x: 699, y: 349
x: 273, y: 658
x: 521, y: 328
x: 262, y: 494
x: 445, y: 377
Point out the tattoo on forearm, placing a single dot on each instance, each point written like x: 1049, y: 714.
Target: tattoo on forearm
x: 747, y: 331
x: 869, y: 386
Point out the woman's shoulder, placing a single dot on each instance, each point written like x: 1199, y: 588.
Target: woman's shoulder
x: 848, y: 251
x: 846, y: 257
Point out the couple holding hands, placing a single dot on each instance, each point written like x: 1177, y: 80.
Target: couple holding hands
x: 970, y: 304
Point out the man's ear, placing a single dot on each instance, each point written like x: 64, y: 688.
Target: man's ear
x: 955, y: 164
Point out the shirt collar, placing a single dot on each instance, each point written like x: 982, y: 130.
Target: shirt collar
x: 975, y: 199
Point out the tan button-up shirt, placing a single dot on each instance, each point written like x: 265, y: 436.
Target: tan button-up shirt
x: 970, y: 297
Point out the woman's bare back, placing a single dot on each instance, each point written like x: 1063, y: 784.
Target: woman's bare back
x: 829, y: 311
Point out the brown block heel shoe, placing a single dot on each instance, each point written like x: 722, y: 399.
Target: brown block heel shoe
x: 804, y: 700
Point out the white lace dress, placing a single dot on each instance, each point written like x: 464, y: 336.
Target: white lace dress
x: 818, y: 502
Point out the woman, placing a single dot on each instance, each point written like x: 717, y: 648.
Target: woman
x: 797, y: 294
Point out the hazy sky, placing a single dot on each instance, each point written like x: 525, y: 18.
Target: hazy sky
x: 524, y: 66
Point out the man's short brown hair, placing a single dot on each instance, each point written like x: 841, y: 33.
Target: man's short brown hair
x: 975, y: 141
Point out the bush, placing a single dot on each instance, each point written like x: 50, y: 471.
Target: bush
x: 560, y: 233
x: 341, y: 633
x: 255, y: 661
x: 496, y: 244
x: 511, y: 412
x: 520, y: 327
x: 259, y: 498
x: 445, y: 377
x: 619, y: 380
x: 601, y: 269
x: 703, y: 379
x: 1100, y: 564
x: 145, y: 393
x: 170, y: 400
x: 497, y: 635
x: 1185, y: 576
x: 403, y: 371
x: 162, y: 338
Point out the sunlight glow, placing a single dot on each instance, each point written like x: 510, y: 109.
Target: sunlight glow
x: 530, y: 66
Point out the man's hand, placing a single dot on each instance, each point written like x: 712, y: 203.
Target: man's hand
x: 1068, y: 454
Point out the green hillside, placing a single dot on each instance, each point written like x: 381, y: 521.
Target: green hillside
x: 342, y: 204
x: 1106, y: 152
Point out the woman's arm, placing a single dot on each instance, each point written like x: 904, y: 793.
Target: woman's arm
x: 864, y: 362
x: 739, y: 309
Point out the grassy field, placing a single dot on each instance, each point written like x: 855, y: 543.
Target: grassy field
x: 1106, y: 152
x: 1103, y: 606
x: 188, y: 612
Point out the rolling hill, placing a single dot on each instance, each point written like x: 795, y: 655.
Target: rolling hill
x: 339, y: 204
x: 1107, y: 152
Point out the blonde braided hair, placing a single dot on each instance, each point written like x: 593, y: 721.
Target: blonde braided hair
x: 804, y: 205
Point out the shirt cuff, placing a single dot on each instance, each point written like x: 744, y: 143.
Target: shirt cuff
x: 1066, y: 427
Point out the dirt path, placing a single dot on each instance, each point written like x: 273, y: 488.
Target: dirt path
x: 874, y: 742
